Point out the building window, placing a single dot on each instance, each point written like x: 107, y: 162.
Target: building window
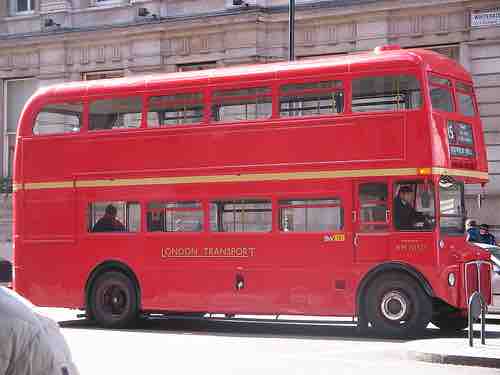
x: 115, y: 216
x: 22, y: 6
x: 197, y: 66
x: 91, y: 76
x: 16, y: 93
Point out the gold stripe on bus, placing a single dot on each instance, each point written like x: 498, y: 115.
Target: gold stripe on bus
x: 17, y: 187
x: 460, y: 173
x: 48, y: 185
x: 250, y: 177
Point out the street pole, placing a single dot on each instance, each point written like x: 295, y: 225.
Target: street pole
x: 291, y: 30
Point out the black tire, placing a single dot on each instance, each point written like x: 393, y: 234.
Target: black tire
x: 449, y: 323
x: 397, y: 306
x: 113, y: 300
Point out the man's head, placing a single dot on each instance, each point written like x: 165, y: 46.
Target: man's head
x: 405, y: 193
x: 484, y: 228
x: 470, y: 223
x: 110, y: 210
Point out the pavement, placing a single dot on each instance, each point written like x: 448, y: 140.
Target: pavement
x: 435, y: 347
x: 457, y: 351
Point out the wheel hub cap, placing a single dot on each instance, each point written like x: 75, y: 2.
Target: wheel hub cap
x: 394, y: 306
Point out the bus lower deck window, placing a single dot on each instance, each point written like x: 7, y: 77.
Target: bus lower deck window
x: 175, y: 217
x: 241, y: 216
x: 114, y: 216
x: 312, y: 215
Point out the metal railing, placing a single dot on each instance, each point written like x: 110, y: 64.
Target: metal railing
x: 477, y: 307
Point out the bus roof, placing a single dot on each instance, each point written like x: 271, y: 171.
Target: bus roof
x: 382, y: 58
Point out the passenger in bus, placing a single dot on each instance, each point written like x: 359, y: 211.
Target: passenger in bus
x: 405, y: 216
x: 485, y: 236
x: 472, y: 230
x: 109, y: 222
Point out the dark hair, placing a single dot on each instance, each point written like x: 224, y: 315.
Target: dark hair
x: 405, y: 189
x: 111, y: 210
x: 484, y: 226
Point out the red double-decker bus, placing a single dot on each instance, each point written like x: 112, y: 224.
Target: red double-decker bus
x: 332, y: 187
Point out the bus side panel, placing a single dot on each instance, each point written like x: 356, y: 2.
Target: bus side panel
x: 47, y: 249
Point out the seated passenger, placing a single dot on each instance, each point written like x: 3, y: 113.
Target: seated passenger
x: 109, y: 222
x: 485, y: 236
x: 472, y: 230
x: 405, y: 216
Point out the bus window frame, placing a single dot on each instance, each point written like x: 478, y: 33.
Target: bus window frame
x: 313, y: 79
x: 120, y: 198
x: 93, y: 98
x: 231, y: 198
x: 238, y: 86
x: 170, y: 92
x: 472, y: 94
x: 306, y: 197
x: 451, y: 88
x: 83, y: 124
x: 418, y: 74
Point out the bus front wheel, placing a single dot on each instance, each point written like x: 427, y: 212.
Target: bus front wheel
x: 113, y: 300
x: 397, y: 306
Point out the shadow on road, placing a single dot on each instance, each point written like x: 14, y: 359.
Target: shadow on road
x: 292, y: 330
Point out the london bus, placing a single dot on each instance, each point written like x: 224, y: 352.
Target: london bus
x: 328, y: 187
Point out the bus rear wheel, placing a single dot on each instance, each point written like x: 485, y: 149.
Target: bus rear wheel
x: 397, y: 306
x: 113, y: 300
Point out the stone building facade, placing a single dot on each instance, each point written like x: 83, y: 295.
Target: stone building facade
x: 50, y: 41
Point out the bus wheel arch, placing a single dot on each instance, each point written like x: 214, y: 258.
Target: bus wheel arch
x: 110, y: 266
x: 377, y: 275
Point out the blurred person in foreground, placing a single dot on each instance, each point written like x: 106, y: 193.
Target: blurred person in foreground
x: 30, y: 344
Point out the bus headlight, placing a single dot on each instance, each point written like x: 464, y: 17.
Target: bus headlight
x: 451, y: 279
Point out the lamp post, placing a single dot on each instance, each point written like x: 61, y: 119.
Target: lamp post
x: 291, y: 30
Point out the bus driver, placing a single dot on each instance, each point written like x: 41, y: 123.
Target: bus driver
x: 405, y: 216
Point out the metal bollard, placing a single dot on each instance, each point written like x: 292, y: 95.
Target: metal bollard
x: 477, y: 307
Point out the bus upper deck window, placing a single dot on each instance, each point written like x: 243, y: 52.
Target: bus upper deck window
x: 311, y: 99
x: 386, y: 93
x: 178, y: 109
x: 242, y: 104
x: 117, y: 113
x: 465, y: 99
x: 59, y: 119
x: 440, y: 93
